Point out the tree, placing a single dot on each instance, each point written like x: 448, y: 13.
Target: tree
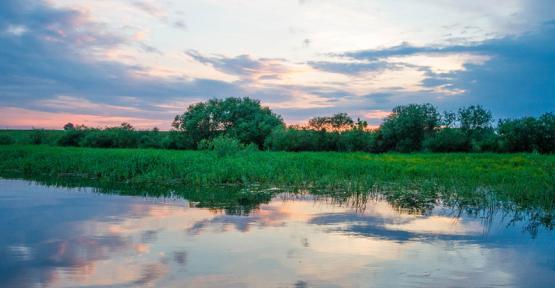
x: 447, y: 140
x: 69, y: 126
x: 448, y: 119
x: 361, y: 125
x: 319, y: 123
x: 405, y: 129
x: 241, y: 118
x: 341, y: 121
x: 337, y: 122
x: 475, y: 121
x: 528, y: 134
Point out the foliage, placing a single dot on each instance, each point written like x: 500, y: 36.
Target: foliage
x: 6, y: 140
x: 284, y: 139
x: 447, y: 140
x: 522, y: 178
x: 241, y: 118
x: 405, y: 129
x: 409, y: 128
x: 177, y: 140
x: 69, y: 126
x: 73, y: 135
x: 475, y: 123
x: 337, y: 122
x: 37, y: 136
x: 225, y: 146
x: 528, y: 134
x: 474, y: 119
x: 123, y: 136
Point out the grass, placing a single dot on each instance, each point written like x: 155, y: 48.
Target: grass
x: 526, y: 179
x: 520, y: 185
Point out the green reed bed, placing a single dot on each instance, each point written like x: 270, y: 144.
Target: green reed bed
x: 521, y: 177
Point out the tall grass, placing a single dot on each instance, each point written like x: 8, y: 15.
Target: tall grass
x: 523, y: 178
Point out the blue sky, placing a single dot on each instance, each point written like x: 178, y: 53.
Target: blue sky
x: 103, y: 62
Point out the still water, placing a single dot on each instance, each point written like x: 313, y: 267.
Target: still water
x: 75, y: 237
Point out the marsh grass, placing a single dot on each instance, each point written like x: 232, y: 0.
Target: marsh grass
x: 521, y: 178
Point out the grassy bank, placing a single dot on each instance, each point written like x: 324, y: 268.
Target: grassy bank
x: 524, y: 177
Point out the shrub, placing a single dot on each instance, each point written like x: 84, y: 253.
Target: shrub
x: 488, y: 142
x: 250, y: 148
x: 226, y: 146
x: 178, y: 140
x: 528, y: 134
x: 149, y: 139
x: 72, y: 137
x: 97, y: 138
x: 356, y: 140
x: 123, y: 136
x: 447, y: 140
x: 205, y: 144
x: 6, y: 140
x: 286, y: 139
x: 38, y: 136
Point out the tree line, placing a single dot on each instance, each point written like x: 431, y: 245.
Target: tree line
x: 243, y: 123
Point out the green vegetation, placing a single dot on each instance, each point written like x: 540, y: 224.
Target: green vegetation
x: 521, y: 178
x: 229, y: 134
x: 409, y: 128
x: 243, y: 119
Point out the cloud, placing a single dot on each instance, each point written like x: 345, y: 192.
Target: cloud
x: 149, y: 8
x: 59, y: 55
x: 159, y: 13
x: 243, y: 65
x: 48, y: 53
x: 352, y: 68
x: 516, y: 79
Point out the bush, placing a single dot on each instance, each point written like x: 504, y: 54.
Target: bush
x: 226, y: 146
x: 528, y: 134
x: 98, y: 138
x: 178, y: 140
x: 38, y: 136
x: 283, y: 139
x: 250, y: 148
x: 488, y: 142
x: 356, y: 140
x: 150, y: 139
x: 205, y: 144
x: 6, y: 140
x: 123, y: 136
x: 447, y: 140
x: 72, y: 137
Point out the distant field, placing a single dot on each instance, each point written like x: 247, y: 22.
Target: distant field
x: 523, y: 178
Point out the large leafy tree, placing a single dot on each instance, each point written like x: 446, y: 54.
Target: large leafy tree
x: 241, y: 118
x: 337, y: 122
x: 475, y: 121
x: 408, y: 125
x: 528, y: 134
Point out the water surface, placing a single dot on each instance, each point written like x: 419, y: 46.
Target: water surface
x: 75, y: 237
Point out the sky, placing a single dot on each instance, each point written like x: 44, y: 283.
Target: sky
x: 101, y: 62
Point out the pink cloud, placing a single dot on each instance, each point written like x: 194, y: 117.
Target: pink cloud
x: 376, y: 114
x: 18, y: 118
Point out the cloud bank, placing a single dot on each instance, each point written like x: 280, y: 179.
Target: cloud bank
x: 63, y: 62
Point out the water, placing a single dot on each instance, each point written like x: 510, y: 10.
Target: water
x: 61, y: 237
